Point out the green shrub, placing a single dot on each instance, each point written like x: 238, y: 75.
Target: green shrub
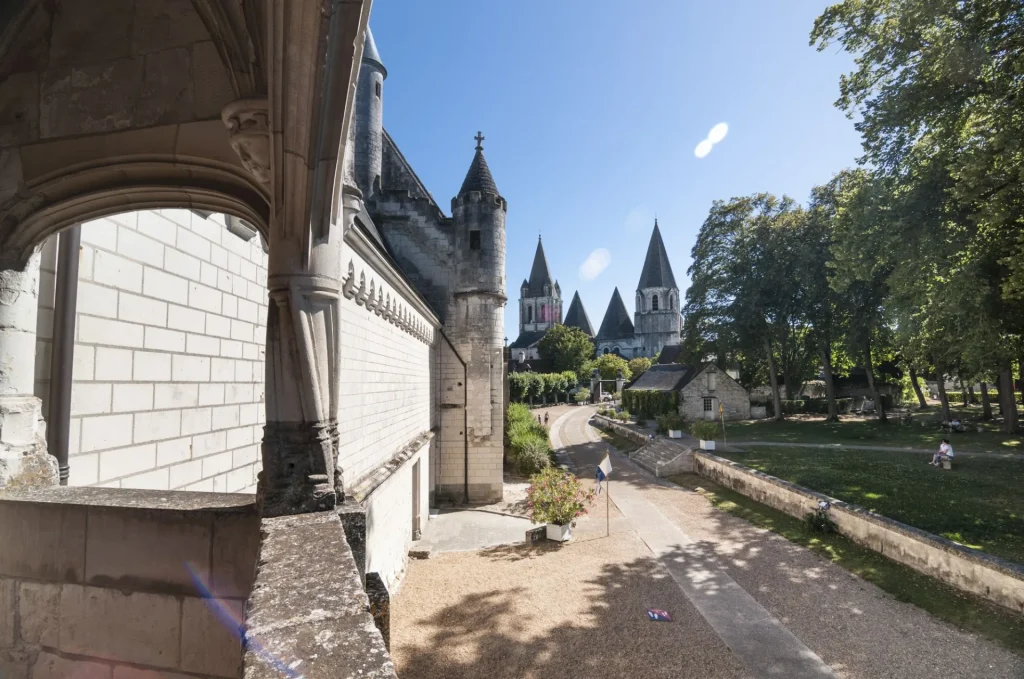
x: 623, y: 415
x: 819, y: 521
x: 705, y: 430
x: 582, y: 395
x: 650, y: 403
x: 670, y: 421
x: 533, y: 455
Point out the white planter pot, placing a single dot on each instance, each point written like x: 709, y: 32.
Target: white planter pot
x: 675, y: 434
x: 560, y: 533
x: 707, y: 445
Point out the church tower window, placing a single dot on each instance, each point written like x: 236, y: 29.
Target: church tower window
x: 529, y: 314
x: 654, y: 303
x: 377, y: 90
x: 474, y: 240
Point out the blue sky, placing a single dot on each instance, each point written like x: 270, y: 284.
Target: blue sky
x: 592, y: 111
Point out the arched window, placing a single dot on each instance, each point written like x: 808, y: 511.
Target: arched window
x: 616, y: 351
x: 671, y: 302
x: 529, y: 314
x: 606, y: 350
x: 654, y: 303
x: 543, y: 318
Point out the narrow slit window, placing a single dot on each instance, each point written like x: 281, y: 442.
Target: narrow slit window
x: 474, y: 240
x: 377, y: 90
x: 654, y: 303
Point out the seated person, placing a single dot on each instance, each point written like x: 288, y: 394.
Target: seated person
x: 945, y: 453
x: 955, y: 425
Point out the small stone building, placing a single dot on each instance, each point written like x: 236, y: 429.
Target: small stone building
x: 703, y: 390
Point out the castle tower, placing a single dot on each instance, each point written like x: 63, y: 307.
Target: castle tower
x: 475, y: 320
x: 540, y: 298
x: 657, y: 321
x: 368, y: 121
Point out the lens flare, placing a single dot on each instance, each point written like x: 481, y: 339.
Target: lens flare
x: 718, y: 133
x: 703, y: 148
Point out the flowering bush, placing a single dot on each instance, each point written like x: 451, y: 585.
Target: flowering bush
x: 555, y: 496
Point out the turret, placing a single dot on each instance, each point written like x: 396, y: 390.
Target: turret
x: 476, y: 318
x: 368, y: 123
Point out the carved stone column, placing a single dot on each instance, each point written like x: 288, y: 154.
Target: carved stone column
x: 23, y: 457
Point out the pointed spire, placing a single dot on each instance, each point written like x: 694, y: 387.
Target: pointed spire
x: 657, y: 272
x: 540, y: 275
x: 479, y: 176
x: 616, y: 323
x: 370, y: 53
x: 577, y: 316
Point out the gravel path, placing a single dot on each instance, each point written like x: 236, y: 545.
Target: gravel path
x: 856, y: 628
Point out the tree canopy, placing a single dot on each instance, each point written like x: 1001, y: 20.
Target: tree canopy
x: 568, y: 348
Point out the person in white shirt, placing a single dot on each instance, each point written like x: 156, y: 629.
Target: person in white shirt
x: 945, y: 453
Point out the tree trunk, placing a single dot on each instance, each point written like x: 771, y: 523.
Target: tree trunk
x: 773, y: 375
x: 971, y: 398
x: 986, y: 404
x: 999, y: 394
x: 943, y: 399
x: 830, y: 388
x: 1020, y: 372
x: 917, y: 389
x: 870, y: 370
x: 963, y: 390
x: 1008, y: 397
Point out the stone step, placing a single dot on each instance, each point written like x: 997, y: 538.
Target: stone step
x: 662, y: 456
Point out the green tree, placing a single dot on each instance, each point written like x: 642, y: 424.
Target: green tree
x: 610, y: 365
x: 568, y: 348
x: 638, y: 366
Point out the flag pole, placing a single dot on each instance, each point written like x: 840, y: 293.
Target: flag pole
x: 608, y: 507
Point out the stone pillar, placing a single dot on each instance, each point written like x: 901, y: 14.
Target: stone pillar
x: 619, y: 381
x: 23, y: 457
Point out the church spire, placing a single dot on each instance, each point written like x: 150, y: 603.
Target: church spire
x: 616, y: 323
x: 540, y: 275
x: 577, y: 317
x: 479, y: 176
x: 657, y: 272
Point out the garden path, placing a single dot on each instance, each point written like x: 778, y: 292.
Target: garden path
x: 781, y: 609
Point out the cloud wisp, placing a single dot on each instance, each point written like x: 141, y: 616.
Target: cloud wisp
x: 638, y: 219
x: 596, y: 262
x: 716, y: 135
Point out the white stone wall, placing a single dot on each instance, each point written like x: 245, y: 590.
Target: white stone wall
x: 169, y: 355
x: 385, y: 377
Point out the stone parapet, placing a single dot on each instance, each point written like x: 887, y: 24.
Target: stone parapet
x: 966, y: 569
x: 308, y: 608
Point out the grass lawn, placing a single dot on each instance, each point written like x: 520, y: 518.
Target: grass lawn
x: 979, y: 503
x: 963, y: 610
x: 923, y: 432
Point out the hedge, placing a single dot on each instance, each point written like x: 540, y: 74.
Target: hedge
x: 529, y: 387
x: 648, y: 403
x: 528, y: 440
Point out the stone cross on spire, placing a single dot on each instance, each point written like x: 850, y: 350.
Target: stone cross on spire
x: 479, y: 140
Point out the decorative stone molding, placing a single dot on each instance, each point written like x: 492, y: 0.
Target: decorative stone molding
x: 249, y: 129
x: 373, y: 296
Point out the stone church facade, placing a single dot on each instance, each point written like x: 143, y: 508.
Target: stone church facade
x: 657, y: 321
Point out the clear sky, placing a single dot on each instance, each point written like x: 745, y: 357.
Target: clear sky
x: 592, y: 111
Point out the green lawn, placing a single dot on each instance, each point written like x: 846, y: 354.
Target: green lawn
x: 923, y: 432
x: 979, y: 503
x: 945, y: 602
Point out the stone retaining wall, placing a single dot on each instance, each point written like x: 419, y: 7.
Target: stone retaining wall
x: 971, y: 571
x: 114, y: 584
x: 621, y: 429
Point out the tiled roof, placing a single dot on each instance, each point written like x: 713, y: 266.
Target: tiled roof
x: 616, y: 323
x: 657, y: 272
x: 577, y: 316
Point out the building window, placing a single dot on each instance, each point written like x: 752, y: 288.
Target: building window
x: 708, y: 405
x: 606, y: 350
x: 377, y: 90
x: 671, y: 302
x: 529, y: 314
x: 474, y: 240
x: 712, y: 381
x: 616, y: 351
x: 654, y: 303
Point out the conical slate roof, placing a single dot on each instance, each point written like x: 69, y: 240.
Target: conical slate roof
x: 371, y: 54
x: 657, y: 272
x: 616, y: 323
x: 479, y: 176
x: 577, y: 316
x: 539, y: 274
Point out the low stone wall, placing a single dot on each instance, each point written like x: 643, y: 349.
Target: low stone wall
x: 622, y: 430
x: 115, y: 583
x: 971, y: 571
x: 308, y: 609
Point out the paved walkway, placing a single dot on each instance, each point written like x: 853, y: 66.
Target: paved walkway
x: 782, y: 610
x: 740, y: 445
x: 463, y: 530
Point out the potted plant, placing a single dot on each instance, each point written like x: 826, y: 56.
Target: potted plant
x: 705, y: 431
x: 671, y: 424
x: 556, y: 498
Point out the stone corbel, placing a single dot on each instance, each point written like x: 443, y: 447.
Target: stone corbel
x: 371, y: 299
x: 349, y: 288
x: 248, y: 126
x: 361, y: 295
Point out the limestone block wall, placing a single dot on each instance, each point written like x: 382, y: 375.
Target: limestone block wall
x: 119, y: 584
x: 385, y: 372
x: 450, y: 465
x: 169, y: 353
x: 733, y: 397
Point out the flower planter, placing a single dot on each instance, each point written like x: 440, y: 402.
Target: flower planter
x: 559, y: 533
x: 675, y: 434
x: 707, y: 445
